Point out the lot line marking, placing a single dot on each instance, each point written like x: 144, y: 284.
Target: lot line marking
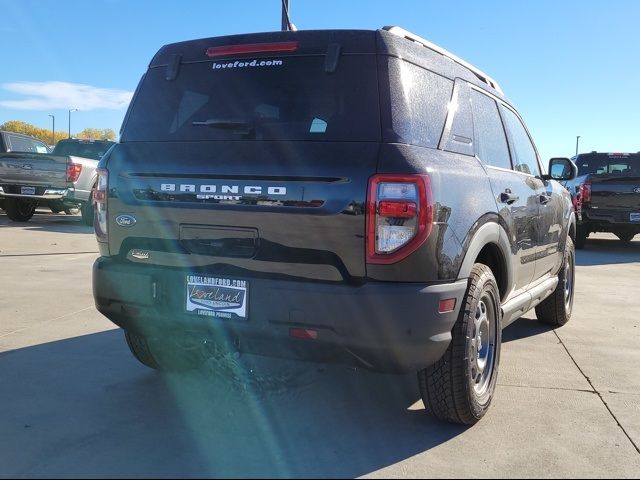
x: 597, y: 392
x: 548, y: 388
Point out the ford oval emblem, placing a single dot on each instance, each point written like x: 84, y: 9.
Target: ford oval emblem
x: 126, y: 220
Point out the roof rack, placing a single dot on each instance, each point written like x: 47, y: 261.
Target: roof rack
x: 401, y: 32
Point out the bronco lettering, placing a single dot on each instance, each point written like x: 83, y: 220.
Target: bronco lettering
x: 248, y: 190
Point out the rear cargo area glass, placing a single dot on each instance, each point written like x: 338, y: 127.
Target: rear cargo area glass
x: 602, y: 163
x: 284, y: 98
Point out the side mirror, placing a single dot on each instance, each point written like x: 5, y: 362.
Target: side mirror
x: 561, y: 169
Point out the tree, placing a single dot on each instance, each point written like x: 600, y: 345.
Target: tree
x: 17, y: 126
x: 46, y: 135
x: 97, y: 134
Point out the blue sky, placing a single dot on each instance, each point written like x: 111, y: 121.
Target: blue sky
x: 570, y: 67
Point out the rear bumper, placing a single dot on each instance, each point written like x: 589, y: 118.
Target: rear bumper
x: 609, y: 221
x: 47, y: 194
x: 383, y: 326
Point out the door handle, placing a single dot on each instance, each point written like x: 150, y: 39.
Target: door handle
x: 508, y: 197
x: 544, y: 198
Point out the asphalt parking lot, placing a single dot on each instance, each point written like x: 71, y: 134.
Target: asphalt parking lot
x: 74, y: 402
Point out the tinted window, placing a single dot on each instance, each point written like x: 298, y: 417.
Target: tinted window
x: 292, y: 98
x: 17, y: 143
x: 525, y: 158
x: 419, y: 101
x: 602, y: 163
x: 86, y: 149
x: 458, y: 133
x: 491, y: 143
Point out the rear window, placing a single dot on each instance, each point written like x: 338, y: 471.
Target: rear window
x: 289, y: 98
x: 627, y: 164
x: 18, y: 143
x: 94, y: 150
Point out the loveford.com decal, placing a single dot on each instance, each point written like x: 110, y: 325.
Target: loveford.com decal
x: 248, y: 64
x: 216, y: 297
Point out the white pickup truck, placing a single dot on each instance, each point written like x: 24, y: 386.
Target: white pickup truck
x: 30, y: 176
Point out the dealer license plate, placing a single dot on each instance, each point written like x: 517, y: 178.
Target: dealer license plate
x: 217, y: 297
x: 634, y: 217
x: 28, y: 190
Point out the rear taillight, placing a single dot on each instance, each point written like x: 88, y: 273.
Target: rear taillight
x: 73, y: 172
x: 100, y: 204
x: 399, y: 216
x: 585, y: 193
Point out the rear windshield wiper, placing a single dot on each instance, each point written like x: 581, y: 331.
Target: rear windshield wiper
x: 236, y: 124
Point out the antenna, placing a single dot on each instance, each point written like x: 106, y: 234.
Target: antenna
x: 286, y: 19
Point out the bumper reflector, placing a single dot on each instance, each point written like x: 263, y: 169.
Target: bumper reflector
x: 447, y: 305
x: 303, y: 333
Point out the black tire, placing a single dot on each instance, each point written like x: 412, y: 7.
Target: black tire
x: 140, y: 349
x: 19, y: 210
x: 625, y: 236
x: 581, y: 237
x: 87, y: 213
x: 159, y: 355
x: 459, y: 387
x: 56, y: 207
x: 556, y: 309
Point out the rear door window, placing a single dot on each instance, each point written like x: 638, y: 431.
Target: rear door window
x: 525, y: 157
x: 292, y: 98
x: 491, y: 143
x: 458, y: 131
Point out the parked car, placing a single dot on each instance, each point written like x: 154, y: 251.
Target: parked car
x: 229, y: 213
x: 19, y: 143
x: 606, y: 195
x: 61, y: 180
x: 81, y: 147
x: 92, y: 151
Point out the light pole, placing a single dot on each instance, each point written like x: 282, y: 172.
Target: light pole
x: 577, y: 141
x: 72, y: 110
x: 53, y: 137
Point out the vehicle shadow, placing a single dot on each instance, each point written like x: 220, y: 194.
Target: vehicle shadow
x: 524, y: 327
x: 604, y: 251
x: 50, y: 222
x: 85, y: 407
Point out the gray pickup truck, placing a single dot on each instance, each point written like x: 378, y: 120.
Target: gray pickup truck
x: 30, y: 176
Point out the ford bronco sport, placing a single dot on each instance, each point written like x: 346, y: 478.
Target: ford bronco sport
x: 353, y: 196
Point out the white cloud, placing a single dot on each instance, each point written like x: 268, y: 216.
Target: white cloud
x: 64, y: 95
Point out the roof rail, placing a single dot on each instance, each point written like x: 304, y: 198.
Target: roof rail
x: 401, y: 32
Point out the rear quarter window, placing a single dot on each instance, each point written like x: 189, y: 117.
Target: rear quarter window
x: 419, y: 101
